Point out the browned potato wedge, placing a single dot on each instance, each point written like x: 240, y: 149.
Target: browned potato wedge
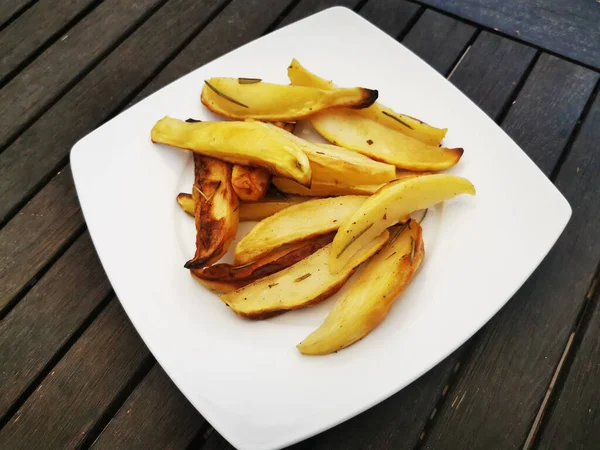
x: 389, y: 206
x: 220, y: 287
x: 273, y: 262
x: 287, y: 126
x: 296, y: 223
x: 250, y: 143
x: 371, y: 295
x: 305, y: 283
x: 323, y: 188
x: 250, y: 211
x: 351, y: 130
x: 215, y: 210
x: 326, y: 189
x: 250, y: 183
x: 277, y: 102
x: 300, y: 76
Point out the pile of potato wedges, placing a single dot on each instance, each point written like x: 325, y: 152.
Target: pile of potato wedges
x: 323, y: 210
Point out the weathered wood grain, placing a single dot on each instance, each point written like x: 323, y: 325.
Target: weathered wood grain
x: 547, y: 109
x: 8, y: 9
x: 74, y: 396
x: 487, y: 82
x: 27, y: 95
x: 309, y: 7
x: 574, y: 421
x: 37, y: 26
x: 41, y: 150
x: 36, y: 234
x: 439, y: 39
x: 156, y: 415
x: 240, y: 22
x: 569, y: 28
x: 392, y: 16
x: 48, y: 316
x: 504, y: 380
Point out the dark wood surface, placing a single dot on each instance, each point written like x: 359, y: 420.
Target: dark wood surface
x: 73, y: 371
x: 566, y: 27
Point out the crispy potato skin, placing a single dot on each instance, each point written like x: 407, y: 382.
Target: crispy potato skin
x: 215, y: 210
x: 302, y: 284
x: 389, y: 206
x: 220, y: 287
x: 250, y: 211
x: 369, y: 137
x: 278, y: 102
x: 250, y: 183
x: 267, y: 265
x: 296, y: 223
x: 249, y: 143
x: 371, y: 295
x: 415, y: 128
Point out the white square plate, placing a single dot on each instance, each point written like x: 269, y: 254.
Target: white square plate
x: 247, y: 378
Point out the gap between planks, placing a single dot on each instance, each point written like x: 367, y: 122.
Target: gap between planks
x: 18, y: 13
x: 497, y: 32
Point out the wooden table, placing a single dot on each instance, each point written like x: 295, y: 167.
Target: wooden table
x: 73, y: 371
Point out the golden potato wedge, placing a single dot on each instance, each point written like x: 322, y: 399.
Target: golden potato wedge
x: 323, y: 188
x: 415, y: 128
x: 370, y: 296
x: 305, y: 283
x: 277, y: 102
x: 253, y: 210
x: 348, y: 129
x: 218, y: 286
x: 250, y: 143
x: 250, y: 183
x: 326, y: 189
x: 215, y: 210
x: 279, y: 259
x: 390, y: 205
x: 296, y: 223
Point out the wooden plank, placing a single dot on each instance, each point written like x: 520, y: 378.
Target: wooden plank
x: 439, y: 39
x: 47, y: 317
x: 399, y: 421
x: 156, y: 415
x: 515, y: 355
x: 574, y: 421
x: 548, y: 107
x: 23, y: 37
x: 33, y: 237
x: 75, y: 395
x: 309, y: 7
x: 251, y: 19
x: 49, y: 76
x: 41, y: 150
x: 8, y: 9
x: 502, y: 73
x: 392, y: 16
x: 562, y: 26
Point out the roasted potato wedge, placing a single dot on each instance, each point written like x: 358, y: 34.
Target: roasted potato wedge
x: 323, y: 188
x: 215, y: 210
x: 277, y: 102
x: 220, y: 287
x: 296, y: 223
x: 250, y: 183
x: 279, y: 259
x: 300, y: 76
x: 249, y: 143
x: 370, y: 296
x: 326, y: 189
x: 351, y: 130
x: 250, y: 211
x: 390, y: 205
x: 305, y: 283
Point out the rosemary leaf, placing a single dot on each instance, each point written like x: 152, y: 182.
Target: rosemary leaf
x: 303, y: 277
x: 249, y: 80
x: 226, y: 97
x: 397, y: 119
